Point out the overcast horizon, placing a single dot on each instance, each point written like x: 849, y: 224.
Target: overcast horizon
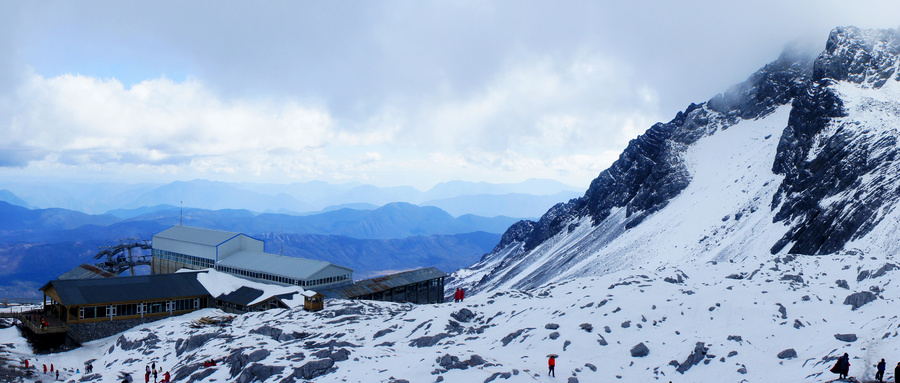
x: 381, y: 93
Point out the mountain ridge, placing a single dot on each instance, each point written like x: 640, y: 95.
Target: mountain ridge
x: 822, y: 153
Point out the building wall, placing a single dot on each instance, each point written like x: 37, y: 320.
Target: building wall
x: 430, y: 291
x: 167, y: 262
x: 197, y: 250
x: 252, y: 244
x: 132, y: 310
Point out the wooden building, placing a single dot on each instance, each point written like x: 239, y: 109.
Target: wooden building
x: 416, y: 286
x: 105, y: 299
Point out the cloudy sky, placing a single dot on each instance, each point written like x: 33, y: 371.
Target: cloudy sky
x: 380, y: 92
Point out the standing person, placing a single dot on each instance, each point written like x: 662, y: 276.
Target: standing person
x: 26, y: 363
x: 51, y: 367
x: 897, y: 371
x: 45, y: 369
x: 844, y: 362
x: 462, y: 295
x: 166, y: 375
x: 880, y: 374
x: 57, y: 374
x: 552, y: 364
x: 456, y: 295
x: 147, y: 374
x: 154, y: 374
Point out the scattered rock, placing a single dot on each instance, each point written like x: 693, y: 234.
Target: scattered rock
x: 842, y: 283
x: 382, y: 333
x: 428, y: 341
x: 696, y: 356
x: 511, y: 336
x: 591, y: 366
x: 554, y: 335
x: 787, y: 354
x: 626, y: 324
x: 587, y: 327
x: 857, y: 300
x: 551, y: 326
x: 640, y: 350
x: 850, y: 338
x: 464, y: 315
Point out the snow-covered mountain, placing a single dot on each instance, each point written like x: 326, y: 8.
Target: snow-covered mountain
x: 751, y: 238
x: 798, y: 159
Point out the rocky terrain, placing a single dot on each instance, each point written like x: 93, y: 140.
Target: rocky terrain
x: 786, y: 319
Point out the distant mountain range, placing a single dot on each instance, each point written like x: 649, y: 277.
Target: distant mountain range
x: 526, y: 199
x: 37, y: 245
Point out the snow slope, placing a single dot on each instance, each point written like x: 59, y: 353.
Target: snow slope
x: 741, y: 315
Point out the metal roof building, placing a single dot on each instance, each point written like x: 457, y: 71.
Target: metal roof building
x: 180, y: 247
x: 84, y: 300
x: 416, y: 286
x: 86, y: 271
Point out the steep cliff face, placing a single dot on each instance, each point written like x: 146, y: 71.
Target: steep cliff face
x: 839, y: 153
x: 828, y: 180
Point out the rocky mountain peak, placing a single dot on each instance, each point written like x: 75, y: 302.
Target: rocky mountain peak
x: 830, y: 178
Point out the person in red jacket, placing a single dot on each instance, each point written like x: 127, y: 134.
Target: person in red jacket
x: 462, y: 295
x: 166, y: 377
x: 552, y: 363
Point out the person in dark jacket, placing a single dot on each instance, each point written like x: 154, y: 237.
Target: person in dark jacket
x: 844, y: 366
x: 879, y: 375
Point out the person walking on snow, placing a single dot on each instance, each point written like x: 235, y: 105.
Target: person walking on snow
x: 552, y: 364
x: 880, y: 374
x: 166, y: 377
x: 456, y: 296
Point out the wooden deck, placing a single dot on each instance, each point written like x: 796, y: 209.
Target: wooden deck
x: 25, y: 320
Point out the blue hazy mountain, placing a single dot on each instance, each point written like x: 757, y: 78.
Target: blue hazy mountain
x: 213, y: 195
x: 11, y: 198
x: 20, y: 219
x: 513, y: 204
x: 394, y: 220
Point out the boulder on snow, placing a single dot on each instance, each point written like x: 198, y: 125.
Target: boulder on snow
x: 857, y: 300
x: 551, y: 326
x: 787, y: 354
x: 511, y: 337
x: 587, y: 327
x: 310, y: 370
x: 640, y: 350
x: 258, y: 372
x: 845, y: 337
x: 428, y: 341
x: 554, y: 335
x: 464, y: 315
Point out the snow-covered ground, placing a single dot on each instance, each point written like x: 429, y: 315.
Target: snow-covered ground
x: 741, y: 315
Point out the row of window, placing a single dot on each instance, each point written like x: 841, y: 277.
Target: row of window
x: 329, y: 280
x: 208, y: 263
x: 184, y: 258
x: 127, y: 309
x: 280, y: 279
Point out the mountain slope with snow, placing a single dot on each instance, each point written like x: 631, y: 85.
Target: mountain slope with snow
x: 723, y: 321
x: 799, y: 159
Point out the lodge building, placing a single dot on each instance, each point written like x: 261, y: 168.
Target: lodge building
x: 184, y: 247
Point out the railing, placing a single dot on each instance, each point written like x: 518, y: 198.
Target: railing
x: 23, y: 317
